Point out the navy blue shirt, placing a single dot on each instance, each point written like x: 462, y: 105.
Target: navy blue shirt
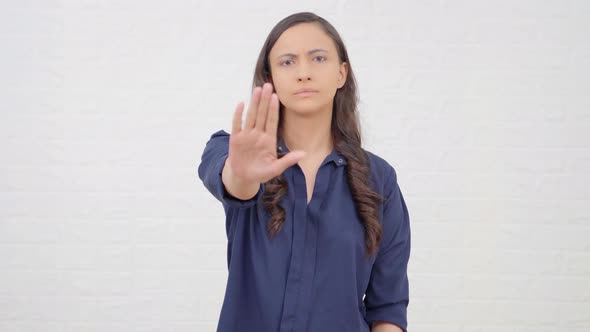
x: 314, y: 275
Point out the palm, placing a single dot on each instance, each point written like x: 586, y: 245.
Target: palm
x: 252, y: 149
x: 253, y: 155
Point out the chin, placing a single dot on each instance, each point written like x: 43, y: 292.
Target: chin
x: 304, y: 109
x: 304, y: 106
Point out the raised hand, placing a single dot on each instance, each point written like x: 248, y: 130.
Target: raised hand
x: 252, y: 149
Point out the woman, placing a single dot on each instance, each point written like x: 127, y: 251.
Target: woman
x: 318, y: 230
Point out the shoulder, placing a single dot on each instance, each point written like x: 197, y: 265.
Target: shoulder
x: 382, y: 172
x: 218, y: 140
x: 220, y: 134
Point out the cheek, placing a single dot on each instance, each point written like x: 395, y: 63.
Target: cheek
x: 279, y: 85
x: 279, y: 90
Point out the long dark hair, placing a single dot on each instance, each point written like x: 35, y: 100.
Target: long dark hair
x: 345, y: 134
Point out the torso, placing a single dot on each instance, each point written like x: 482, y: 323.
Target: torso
x: 310, y: 184
x: 310, y: 170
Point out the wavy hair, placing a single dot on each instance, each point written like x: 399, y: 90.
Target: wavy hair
x: 346, y: 135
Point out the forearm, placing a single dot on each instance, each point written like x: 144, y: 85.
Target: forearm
x: 381, y: 326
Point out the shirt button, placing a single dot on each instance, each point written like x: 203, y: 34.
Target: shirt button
x: 280, y: 148
x: 340, y: 161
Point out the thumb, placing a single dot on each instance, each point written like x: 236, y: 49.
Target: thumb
x: 288, y: 160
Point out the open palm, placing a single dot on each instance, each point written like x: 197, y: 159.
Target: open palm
x: 252, y: 149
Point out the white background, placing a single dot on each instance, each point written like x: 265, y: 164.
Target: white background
x: 482, y: 107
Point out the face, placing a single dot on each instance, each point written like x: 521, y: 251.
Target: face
x: 305, y: 57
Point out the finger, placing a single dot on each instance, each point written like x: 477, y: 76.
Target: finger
x: 272, y: 120
x: 237, y: 121
x: 251, y: 114
x: 288, y: 160
x: 263, y: 106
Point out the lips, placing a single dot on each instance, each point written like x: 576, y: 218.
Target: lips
x: 305, y: 91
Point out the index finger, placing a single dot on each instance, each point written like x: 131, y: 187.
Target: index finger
x: 237, y: 120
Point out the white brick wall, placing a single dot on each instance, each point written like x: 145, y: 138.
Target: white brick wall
x: 106, y: 107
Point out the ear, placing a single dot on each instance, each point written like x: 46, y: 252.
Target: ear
x: 342, y: 74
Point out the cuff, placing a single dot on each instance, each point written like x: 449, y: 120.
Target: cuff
x: 393, y: 313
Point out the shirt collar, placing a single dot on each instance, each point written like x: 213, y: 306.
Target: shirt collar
x: 334, y: 156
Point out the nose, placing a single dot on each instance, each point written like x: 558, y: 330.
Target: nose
x: 304, y: 73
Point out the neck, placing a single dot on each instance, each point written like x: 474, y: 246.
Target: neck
x: 311, y: 133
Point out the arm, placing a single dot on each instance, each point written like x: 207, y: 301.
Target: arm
x: 216, y: 177
x: 253, y: 153
x: 387, y: 294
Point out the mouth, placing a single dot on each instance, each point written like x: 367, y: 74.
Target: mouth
x: 306, y: 92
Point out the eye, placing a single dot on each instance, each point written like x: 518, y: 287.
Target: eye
x: 283, y: 63
x: 321, y: 56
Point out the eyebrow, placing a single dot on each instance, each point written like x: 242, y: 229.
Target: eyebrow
x: 315, y: 50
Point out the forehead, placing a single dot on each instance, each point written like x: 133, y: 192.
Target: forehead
x: 301, y: 38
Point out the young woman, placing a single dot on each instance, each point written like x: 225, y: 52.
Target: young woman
x: 318, y: 230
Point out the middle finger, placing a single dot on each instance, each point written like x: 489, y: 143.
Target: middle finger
x: 251, y: 114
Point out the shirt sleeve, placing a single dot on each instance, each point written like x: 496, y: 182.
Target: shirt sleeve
x: 387, y: 295
x: 211, y: 167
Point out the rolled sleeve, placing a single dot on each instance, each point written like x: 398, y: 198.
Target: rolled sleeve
x: 211, y: 167
x: 387, y: 295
